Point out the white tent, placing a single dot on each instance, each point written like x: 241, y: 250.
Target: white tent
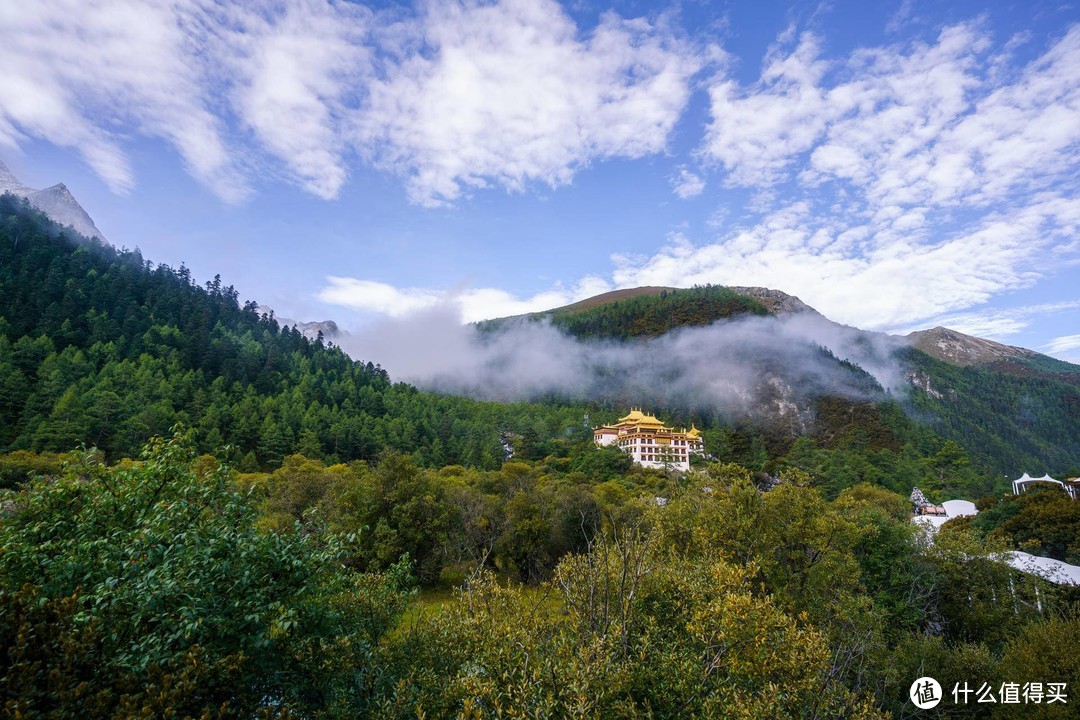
x: 959, y: 508
x: 953, y: 509
x: 1021, y: 483
x: 1055, y: 571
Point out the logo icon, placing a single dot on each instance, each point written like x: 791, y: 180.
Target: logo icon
x: 926, y: 693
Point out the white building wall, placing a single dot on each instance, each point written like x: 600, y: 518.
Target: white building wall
x: 606, y: 438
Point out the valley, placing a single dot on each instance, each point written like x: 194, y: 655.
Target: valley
x: 212, y: 481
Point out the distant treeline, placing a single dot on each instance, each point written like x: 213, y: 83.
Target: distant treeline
x: 646, y: 315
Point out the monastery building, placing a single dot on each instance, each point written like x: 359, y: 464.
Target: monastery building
x: 651, y: 443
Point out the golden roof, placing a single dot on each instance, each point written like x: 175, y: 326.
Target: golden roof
x: 639, y: 418
x: 693, y: 432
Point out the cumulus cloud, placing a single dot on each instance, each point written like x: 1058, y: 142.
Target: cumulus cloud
x: 511, y: 92
x: 460, y: 95
x: 905, y: 124
x: 755, y: 133
x: 473, y: 304
x: 897, y: 184
x: 686, y: 184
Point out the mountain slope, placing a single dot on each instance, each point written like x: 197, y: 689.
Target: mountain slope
x: 57, y: 202
x: 1012, y: 408
x: 644, y: 312
x: 97, y: 347
x: 956, y: 348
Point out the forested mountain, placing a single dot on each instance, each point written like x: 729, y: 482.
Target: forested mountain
x: 275, y: 579
x: 100, y: 346
x: 621, y: 314
x: 1013, y: 409
x: 1012, y: 420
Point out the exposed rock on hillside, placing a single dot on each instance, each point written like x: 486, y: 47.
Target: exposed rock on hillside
x: 959, y: 349
x: 57, y: 202
x: 775, y: 301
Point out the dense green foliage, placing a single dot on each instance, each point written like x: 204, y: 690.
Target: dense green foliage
x: 98, y: 346
x: 650, y: 316
x: 781, y: 578
x: 1010, y: 423
x: 1044, y: 521
x: 146, y: 590
x: 173, y: 587
x: 644, y: 315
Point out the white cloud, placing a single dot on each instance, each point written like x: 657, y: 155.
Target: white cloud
x: 908, y: 125
x: 895, y: 185
x: 997, y: 323
x: 85, y: 74
x: 464, y: 95
x: 1063, y: 343
x: 510, y: 92
x: 863, y: 274
x: 296, y: 70
x: 471, y: 304
x: 374, y: 297
x: 687, y: 184
x: 754, y: 134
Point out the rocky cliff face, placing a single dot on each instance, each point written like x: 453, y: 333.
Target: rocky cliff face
x: 10, y: 184
x: 775, y: 301
x: 57, y: 202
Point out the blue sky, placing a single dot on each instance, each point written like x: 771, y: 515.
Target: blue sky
x: 897, y: 165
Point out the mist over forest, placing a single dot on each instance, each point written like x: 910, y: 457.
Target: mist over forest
x: 727, y: 368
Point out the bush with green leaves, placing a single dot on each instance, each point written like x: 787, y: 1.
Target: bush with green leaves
x: 158, y: 570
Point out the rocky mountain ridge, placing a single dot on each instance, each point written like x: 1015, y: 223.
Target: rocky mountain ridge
x: 956, y: 348
x: 57, y: 202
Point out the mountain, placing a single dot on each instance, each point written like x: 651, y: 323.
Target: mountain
x: 10, y: 184
x: 641, y: 312
x: 57, y: 202
x: 775, y: 301
x: 957, y: 348
x: 98, y: 347
x: 1013, y: 409
x: 311, y: 330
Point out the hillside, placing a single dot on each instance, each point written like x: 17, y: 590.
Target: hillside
x: 188, y: 584
x: 1014, y: 409
x: 100, y: 346
x: 641, y: 312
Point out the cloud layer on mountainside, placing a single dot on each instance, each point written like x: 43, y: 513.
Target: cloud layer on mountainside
x: 731, y: 368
